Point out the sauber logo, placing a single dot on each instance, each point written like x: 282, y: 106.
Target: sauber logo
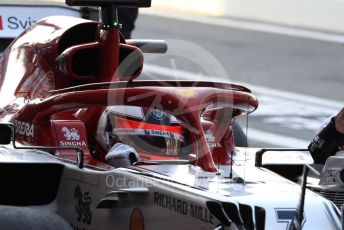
x: 71, y: 134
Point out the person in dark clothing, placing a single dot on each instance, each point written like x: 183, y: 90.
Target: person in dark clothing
x: 127, y: 17
x: 329, y: 140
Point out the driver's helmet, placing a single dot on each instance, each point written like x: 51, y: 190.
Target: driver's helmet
x: 153, y: 133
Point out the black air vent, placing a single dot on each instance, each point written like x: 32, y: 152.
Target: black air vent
x: 29, y: 183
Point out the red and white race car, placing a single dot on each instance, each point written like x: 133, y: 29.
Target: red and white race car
x: 66, y: 80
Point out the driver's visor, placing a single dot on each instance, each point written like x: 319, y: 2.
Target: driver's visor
x: 147, y: 137
x: 130, y: 127
x: 131, y: 124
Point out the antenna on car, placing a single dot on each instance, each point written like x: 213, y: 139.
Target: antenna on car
x: 231, y: 169
x: 297, y: 222
x: 246, y: 136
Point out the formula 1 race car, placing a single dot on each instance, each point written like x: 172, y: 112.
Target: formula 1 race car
x: 95, y: 148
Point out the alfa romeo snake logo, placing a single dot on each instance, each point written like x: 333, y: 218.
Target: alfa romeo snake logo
x: 82, y: 206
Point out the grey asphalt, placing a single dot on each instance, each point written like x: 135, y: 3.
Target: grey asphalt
x: 282, y: 62
x: 299, y: 65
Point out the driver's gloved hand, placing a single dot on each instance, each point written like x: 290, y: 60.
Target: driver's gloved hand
x: 121, y: 155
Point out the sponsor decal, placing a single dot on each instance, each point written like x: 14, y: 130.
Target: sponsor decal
x: 330, y: 177
x: 287, y: 215
x: 131, y: 124
x: 158, y: 114
x: 127, y: 132
x: 24, y: 128
x: 82, y: 202
x: 201, y: 213
x: 72, y: 138
x: 15, y: 23
x: 317, y: 143
x: 183, y: 207
x: 148, y: 132
x: 136, y: 220
x: 71, y: 134
x: 16, y: 18
x: 210, y: 138
x: 73, y: 143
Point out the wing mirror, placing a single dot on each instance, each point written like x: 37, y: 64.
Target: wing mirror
x: 6, y: 133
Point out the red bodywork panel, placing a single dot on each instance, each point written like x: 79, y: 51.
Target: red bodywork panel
x: 54, y: 85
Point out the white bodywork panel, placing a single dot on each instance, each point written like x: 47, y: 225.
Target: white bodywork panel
x: 174, y: 196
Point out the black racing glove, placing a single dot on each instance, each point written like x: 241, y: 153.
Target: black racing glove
x: 326, y: 143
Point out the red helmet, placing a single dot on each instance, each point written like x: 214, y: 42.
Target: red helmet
x: 153, y: 133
